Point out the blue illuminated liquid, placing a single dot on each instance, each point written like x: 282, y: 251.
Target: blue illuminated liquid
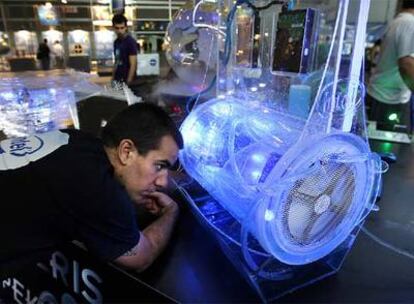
x: 231, y: 149
x: 33, y: 110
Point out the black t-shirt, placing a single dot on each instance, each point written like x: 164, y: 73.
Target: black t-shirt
x: 57, y: 187
x: 123, y: 48
x: 43, y: 51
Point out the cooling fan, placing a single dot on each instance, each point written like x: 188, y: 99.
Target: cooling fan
x: 319, y: 192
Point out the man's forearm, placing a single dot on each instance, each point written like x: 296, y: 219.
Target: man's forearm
x: 153, y: 240
x: 406, y: 68
x: 159, y: 232
x: 131, y: 72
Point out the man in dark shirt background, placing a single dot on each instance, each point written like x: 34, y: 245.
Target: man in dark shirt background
x: 125, y: 51
x: 43, y: 54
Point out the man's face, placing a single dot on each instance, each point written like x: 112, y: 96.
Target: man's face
x: 120, y: 29
x: 144, y: 174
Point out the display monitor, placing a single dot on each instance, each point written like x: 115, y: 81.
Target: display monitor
x: 292, y: 49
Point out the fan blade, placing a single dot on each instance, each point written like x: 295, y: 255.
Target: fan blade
x: 298, y: 216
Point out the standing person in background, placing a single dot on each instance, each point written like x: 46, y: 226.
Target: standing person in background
x: 391, y: 83
x: 59, y: 54
x: 125, y: 51
x: 43, y: 54
x: 138, y: 48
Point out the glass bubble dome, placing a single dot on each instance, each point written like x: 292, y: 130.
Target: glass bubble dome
x: 189, y: 43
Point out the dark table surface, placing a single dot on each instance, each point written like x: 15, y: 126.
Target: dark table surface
x: 194, y: 269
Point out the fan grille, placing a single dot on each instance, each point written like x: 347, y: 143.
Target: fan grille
x: 317, y: 205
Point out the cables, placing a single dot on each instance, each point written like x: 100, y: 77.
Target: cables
x: 287, y: 4
x: 192, y: 102
x: 204, y: 25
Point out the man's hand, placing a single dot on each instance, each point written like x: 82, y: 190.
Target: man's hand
x: 154, y: 238
x: 159, y: 203
x: 132, y: 69
x: 406, y: 68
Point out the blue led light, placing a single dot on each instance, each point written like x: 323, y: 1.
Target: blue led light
x: 238, y: 143
x: 248, y: 156
x: 26, y: 111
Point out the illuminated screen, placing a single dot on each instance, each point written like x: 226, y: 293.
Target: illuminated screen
x: 48, y: 15
x: 118, y: 6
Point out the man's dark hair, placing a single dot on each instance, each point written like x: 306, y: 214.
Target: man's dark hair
x: 407, y: 4
x: 118, y: 19
x: 143, y: 123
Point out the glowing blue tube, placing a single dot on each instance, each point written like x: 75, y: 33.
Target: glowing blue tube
x: 300, y: 199
x: 231, y: 148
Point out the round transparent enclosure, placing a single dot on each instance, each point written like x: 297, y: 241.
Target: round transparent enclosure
x: 190, y: 49
x: 307, y: 194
